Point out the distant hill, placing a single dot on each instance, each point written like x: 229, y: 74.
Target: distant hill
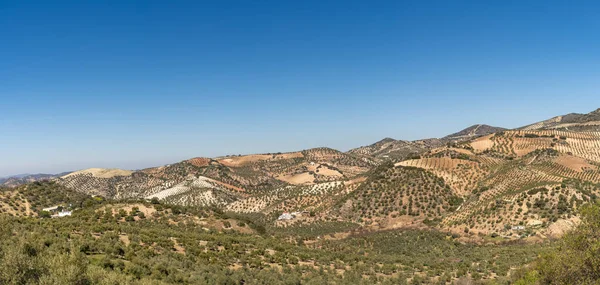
x: 572, y: 121
x: 16, y: 180
x: 224, y: 176
x: 473, y: 132
x: 396, y: 149
x: 477, y: 183
x: 18, y: 175
x: 30, y: 199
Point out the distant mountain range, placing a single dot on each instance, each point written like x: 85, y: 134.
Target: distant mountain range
x: 400, y: 149
x: 483, y: 180
x: 397, y: 150
x: 19, y: 179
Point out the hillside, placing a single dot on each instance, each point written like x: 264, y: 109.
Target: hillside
x: 396, y: 150
x: 153, y: 243
x: 233, y: 177
x: 380, y: 213
x: 488, y: 182
x: 31, y: 199
x: 398, y: 196
x: 569, y: 122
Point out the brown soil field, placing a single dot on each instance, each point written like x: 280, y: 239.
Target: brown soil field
x: 199, y: 161
x: 242, y: 160
x: 482, y: 143
x: 296, y: 179
x: 575, y: 163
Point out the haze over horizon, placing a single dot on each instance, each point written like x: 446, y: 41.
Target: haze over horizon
x: 139, y: 84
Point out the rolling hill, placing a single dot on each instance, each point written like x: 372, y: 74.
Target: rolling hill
x: 478, y: 182
x: 397, y: 150
x: 16, y: 180
x: 569, y: 122
x: 232, y: 176
x: 389, y: 148
x: 382, y: 211
x: 472, y: 132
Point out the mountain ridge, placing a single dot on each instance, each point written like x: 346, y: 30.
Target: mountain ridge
x: 465, y: 171
x: 390, y: 148
x: 16, y: 180
x: 478, y: 189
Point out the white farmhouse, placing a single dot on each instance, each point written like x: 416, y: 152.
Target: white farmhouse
x: 285, y: 217
x: 64, y: 214
x: 51, y: 209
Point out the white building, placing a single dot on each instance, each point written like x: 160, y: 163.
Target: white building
x: 51, y: 209
x: 61, y: 214
x: 285, y: 216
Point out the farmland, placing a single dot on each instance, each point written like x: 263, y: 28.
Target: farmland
x: 475, y: 206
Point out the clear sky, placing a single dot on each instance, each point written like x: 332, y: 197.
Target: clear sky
x: 133, y: 84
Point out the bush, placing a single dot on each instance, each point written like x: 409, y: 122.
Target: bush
x: 577, y: 260
x: 45, y: 214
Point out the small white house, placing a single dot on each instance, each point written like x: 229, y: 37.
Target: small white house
x: 61, y: 214
x: 64, y: 214
x: 51, y: 209
x: 285, y: 216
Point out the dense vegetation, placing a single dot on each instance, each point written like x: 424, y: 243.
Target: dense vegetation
x: 576, y: 260
x: 397, y: 191
x: 472, y: 212
x: 94, y: 248
x: 139, y: 242
x: 30, y: 199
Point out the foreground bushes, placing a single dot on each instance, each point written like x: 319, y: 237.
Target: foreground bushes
x: 577, y: 259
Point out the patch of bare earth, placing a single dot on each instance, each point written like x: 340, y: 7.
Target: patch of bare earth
x: 124, y: 239
x: 575, y: 163
x: 296, y: 179
x: 199, y: 161
x: 562, y: 226
x: 482, y: 143
x: 324, y: 170
x: 242, y: 160
x: 178, y: 248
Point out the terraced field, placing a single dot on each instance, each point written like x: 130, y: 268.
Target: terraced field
x: 513, y: 182
x: 504, y: 198
x: 520, y: 143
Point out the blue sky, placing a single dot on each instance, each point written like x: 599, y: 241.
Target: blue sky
x: 134, y: 84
